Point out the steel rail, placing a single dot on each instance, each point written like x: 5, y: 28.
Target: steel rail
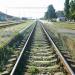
x: 16, y: 64
x: 9, y: 25
x: 70, y: 72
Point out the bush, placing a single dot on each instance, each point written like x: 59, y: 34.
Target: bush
x: 33, y: 70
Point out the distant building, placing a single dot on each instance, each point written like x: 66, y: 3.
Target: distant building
x: 24, y: 18
x: 2, y: 16
x: 61, y: 19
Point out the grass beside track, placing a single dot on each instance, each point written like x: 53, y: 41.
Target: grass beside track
x: 8, y: 33
x: 66, y: 25
x: 67, y: 38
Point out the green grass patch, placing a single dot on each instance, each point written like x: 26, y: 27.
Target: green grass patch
x: 33, y: 70
x: 66, y: 25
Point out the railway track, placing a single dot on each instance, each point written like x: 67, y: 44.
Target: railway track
x: 40, y: 56
x: 8, y: 25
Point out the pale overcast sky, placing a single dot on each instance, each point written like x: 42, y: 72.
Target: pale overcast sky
x: 18, y: 7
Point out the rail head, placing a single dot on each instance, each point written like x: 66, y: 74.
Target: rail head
x: 16, y: 64
x: 58, y: 52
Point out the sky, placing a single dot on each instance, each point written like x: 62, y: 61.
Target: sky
x: 29, y: 8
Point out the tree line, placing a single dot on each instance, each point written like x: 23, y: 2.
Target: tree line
x: 68, y: 12
x: 69, y: 9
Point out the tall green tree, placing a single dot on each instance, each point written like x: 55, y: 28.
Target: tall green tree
x: 72, y: 9
x: 50, y: 14
x: 66, y: 9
